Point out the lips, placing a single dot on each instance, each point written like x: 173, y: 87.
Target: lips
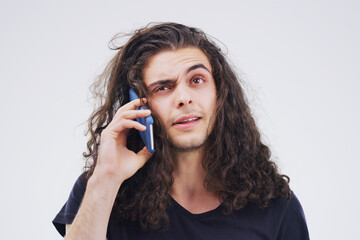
x: 186, y: 119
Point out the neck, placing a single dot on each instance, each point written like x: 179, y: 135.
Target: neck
x: 188, y: 187
x: 189, y: 173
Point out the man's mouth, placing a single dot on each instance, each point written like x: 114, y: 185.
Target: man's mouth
x: 186, y: 120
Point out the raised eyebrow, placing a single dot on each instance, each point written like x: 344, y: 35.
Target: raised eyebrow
x: 196, y: 67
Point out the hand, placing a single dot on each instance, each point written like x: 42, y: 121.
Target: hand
x: 115, y: 160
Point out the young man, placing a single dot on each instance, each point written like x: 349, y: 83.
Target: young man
x: 211, y: 176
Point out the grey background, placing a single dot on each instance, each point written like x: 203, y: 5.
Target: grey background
x: 300, y: 60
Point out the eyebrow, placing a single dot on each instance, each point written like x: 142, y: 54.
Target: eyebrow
x: 161, y: 82
x: 168, y: 81
x: 197, y: 66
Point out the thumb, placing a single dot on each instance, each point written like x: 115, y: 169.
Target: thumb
x: 144, y: 155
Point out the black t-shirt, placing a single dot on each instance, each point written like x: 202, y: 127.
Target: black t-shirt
x: 284, y: 219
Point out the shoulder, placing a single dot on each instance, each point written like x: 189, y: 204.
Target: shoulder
x: 79, y: 188
x: 291, y: 218
x: 283, y: 219
x: 287, y: 205
x: 278, y: 208
x: 81, y: 181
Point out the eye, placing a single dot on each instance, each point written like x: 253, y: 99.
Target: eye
x: 161, y: 89
x: 197, y: 80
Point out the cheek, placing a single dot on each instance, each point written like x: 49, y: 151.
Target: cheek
x: 159, y: 109
x: 212, y: 108
x: 209, y: 99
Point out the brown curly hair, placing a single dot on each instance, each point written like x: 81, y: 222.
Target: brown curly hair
x: 237, y: 163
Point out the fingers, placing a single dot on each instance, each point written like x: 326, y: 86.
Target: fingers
x: 129, y: 115
x: 128, y: 110
x: 124, y: 118
x: 134, y: 104
x: 127, y: 124
x: 119, y: 129
x: 132, y: 114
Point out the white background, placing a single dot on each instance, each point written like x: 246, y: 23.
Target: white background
x: 300, y: 60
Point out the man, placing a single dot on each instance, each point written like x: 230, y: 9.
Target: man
x: 211, y: 176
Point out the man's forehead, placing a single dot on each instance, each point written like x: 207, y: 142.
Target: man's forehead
x: 173, y: 61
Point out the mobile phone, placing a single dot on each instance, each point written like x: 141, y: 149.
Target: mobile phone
x: 147, y: 136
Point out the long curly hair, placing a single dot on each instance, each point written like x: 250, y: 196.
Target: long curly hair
x: 237, y: 163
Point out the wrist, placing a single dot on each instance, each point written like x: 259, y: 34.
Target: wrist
x: 103, y: 180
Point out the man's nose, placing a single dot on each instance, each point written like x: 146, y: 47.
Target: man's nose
x: 183, y: 96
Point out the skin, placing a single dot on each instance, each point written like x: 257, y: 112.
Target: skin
x: 182, y: 87
x: 116, y: 163
x: 188, y: 92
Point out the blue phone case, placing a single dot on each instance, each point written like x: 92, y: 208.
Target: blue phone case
x: 147, y: 135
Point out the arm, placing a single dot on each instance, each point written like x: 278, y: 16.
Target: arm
x: 68, y: 227
x: 115, y: 164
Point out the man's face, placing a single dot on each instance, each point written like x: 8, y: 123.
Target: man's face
x: 183, y: 95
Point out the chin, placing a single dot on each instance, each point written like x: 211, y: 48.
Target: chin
x: 186, y: 145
